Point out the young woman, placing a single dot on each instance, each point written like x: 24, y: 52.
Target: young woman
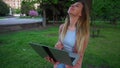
x: 74, y: 34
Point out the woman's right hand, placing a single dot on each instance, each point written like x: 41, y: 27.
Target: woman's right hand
x: 51, y: 60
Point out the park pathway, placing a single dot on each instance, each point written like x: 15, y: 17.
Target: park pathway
x: 14, y: 21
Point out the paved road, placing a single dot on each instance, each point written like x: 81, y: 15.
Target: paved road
x: 13, y: 21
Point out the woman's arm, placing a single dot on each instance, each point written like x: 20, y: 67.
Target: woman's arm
x: 59, y: 44
x: 79, y: 63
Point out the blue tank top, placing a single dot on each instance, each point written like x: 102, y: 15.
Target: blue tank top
x: 69, y: 40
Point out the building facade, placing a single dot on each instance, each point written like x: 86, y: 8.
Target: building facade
x: 15, y: 4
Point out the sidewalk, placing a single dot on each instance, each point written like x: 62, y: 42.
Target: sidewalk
x: 14, y: 21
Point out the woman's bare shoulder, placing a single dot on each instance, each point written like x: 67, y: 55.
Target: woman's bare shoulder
x: 60, y: 28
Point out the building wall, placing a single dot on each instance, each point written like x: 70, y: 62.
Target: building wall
x: 13, y: 3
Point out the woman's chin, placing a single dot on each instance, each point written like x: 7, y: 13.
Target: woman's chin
x: 71, y: 14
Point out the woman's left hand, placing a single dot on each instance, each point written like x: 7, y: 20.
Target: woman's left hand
x: 50, y: 59
x: 59, y: 45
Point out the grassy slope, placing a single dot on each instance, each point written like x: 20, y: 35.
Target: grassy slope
x: 102, y: 52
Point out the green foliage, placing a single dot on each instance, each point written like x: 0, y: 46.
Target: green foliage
x: 4, y: 9
x: 56, y: 8
x: 114, y: 10
x: 39, y: 10
x: 55, y: 1
x: 26, y: 6
x: 17, y: 11
x: 96, y: 8
x: 106, y: 10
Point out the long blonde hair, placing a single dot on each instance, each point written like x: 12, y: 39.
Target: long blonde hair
x: 82, y: 28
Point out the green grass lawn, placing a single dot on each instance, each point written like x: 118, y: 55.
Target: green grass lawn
x: 15, y: 52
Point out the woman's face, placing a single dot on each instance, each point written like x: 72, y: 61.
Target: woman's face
x: 75, y: 9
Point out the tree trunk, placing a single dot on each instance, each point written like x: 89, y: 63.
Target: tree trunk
x: 44, y: 18
x: 113, y: 21
x: 53, y: 17
x: 56, y: 19
x: 89, y: 3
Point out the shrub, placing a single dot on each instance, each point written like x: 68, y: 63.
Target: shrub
x: 33, y: 13
x: 17, y: 11
x: 26, y: 6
